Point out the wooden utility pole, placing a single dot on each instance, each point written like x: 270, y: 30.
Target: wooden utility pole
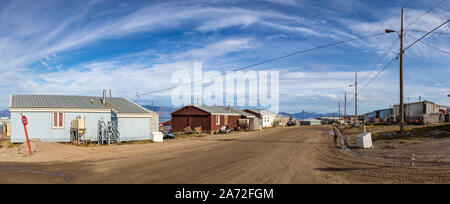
x: 153, y: 109
x: 303, y: 115
x: 137, y: 98
x: 402, y: 108
x: 356, y: 100
x: 339, y: 104
x: 345, y: 107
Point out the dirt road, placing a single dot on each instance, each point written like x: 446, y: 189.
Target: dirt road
x: 281, y: 155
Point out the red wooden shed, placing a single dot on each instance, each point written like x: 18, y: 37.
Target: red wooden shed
x: 209, y: 118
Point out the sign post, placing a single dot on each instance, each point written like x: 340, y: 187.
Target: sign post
x: 25, y: 122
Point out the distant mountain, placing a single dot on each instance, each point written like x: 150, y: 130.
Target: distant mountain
x: 163, y: 111
x: 4, y: 113
x: 298, y: 116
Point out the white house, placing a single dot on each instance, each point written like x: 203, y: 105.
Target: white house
x: 50, y: 116
x: 266, y: 118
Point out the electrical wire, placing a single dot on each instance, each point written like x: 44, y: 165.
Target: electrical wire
x: 381, y: 71
x: 391, y: 47
x: 434, y: 29
x: 425, y: 43
x: 271, y: 60
x: 434, y: 77
x: 427, y: 11
x: 396, y: 57
x: 421, y: 31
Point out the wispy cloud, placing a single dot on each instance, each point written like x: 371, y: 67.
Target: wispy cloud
x: 79, y: 47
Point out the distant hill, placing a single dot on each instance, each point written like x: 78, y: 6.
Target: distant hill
x: 163, y: 111
x: 298, y: 116
x: 4, y: 113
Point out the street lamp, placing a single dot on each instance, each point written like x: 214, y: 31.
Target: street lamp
x: 390, y: 31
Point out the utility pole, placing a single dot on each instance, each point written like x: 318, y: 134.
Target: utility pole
x: 339, y: 115
x: 356, y: 100
x: 345, y: 107
x: 402, y: 108
x: 420, y: 98
x: 153, y: 109
x: 137, y: 97
x: 303, y: 115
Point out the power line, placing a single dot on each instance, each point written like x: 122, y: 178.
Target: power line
x: 390, y: 48
x: 390, y: 62
x: 381, y: 71
x: 421, y: 31
x: 434, y: 77
x: 426, y: 35
x: 427, y: 11
x: 430, y: 45
x: 272, y: 60
x: 379, y: 61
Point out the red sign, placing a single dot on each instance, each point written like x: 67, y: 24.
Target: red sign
x: 24, y: 120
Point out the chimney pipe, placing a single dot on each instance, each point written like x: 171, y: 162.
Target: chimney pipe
x: 104, y: 97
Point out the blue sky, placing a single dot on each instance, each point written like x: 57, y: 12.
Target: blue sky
x: 82, y: 47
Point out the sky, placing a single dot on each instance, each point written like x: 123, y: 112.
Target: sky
x: 83, y: 47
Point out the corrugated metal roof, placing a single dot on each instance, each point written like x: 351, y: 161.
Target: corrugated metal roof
x: 262, y: 112
x: 249, y: 115
x: 223, y: 110
x: 121, y: 105
x: 216, y: 109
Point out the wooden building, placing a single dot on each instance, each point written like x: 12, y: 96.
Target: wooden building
x: 209, y: 118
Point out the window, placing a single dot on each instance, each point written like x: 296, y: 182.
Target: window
x: 58, y: 120
x: 217, y: 119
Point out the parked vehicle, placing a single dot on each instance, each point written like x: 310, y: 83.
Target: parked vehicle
x: 169, y: 135
x: 225, y: 130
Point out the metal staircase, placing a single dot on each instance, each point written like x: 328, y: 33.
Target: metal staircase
x: 108, y: 133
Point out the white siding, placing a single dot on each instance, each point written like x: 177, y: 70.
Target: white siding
x: 134, y: 128
x: 267, y: 120
x: 40, y: 126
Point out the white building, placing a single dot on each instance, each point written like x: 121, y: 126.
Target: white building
x: 266, y: 118
x: 50, y: 116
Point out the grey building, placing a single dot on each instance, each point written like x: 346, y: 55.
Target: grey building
x: 50, y: 116
x: 424, y: 111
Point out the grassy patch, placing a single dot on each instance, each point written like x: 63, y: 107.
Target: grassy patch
x: 136, y: 142
x: 12, y: 145
x: 92, y: 144
x: 439, y: 131
x: 189, y: 135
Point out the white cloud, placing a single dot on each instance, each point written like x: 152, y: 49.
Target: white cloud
x: 217, y: 49
x: 36, y: 33
x: 241, y: 20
